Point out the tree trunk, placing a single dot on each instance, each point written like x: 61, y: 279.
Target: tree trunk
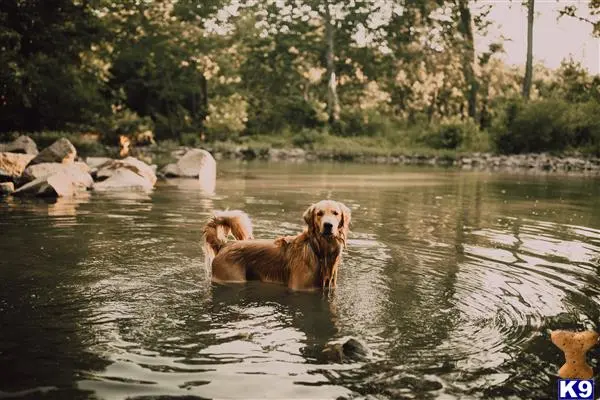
x: 333, y: 103
x: 466, y: 29
x: 529, y: 64
x: 204, y: 94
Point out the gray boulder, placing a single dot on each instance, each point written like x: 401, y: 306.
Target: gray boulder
x: 180, y: 152
x: 96, y: 162
x: 23, y: 144
x: 110, y: 168
x: 12, y: 165
x: 124, y: 178
x: 196, y: 163
x: 65, y: 182
x: 42, y: 170
x: 170, y: 171
x: 61, y: 151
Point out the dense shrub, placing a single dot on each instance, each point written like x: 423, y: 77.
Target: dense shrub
x: 86, y: 145
x: 308, y: 138
x: 584, y: 122
x: 126, y: 122
x: 227, y: 117
x: 365, y: 123
x: 453, y: 133
x: 293, y: 113
x: 546, y: 125
x: 541, y: 126
x: 191, y: 139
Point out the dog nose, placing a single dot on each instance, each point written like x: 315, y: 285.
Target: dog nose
x: 327, y: 226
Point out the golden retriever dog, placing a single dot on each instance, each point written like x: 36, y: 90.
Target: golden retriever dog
x: 307, y: 261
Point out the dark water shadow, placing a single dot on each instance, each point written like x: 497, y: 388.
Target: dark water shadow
x: 312, y: 313
x: 44, y: 340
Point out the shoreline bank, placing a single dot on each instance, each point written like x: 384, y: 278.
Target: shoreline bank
x: 572, y: 162
x: 163, y: 153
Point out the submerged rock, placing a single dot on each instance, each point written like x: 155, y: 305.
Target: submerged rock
x: 419, y: 384
x: 12, y: 165
x: 23, y: 144
x: 65, y: 182
x: 61, y: 151
x: 569, y: 321
x: 349, y: 350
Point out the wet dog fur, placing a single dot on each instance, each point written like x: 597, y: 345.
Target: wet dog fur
x: 307, y: 261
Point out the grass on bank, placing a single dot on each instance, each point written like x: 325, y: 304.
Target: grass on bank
x: 391, y: 141
x: 333, y: 147
x: 446, y: 140
x: 550, y: 125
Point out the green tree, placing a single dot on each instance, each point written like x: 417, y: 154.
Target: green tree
x: 158, y: 70
x: 331, y: 28
x: 50, y: 79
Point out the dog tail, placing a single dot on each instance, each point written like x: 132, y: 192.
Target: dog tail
x: 218, y: 228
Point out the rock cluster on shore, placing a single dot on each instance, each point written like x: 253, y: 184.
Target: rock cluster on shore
x: 542, y: 162
x: 56, y: 171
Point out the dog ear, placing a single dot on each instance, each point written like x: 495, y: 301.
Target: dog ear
x: 309, y: 217
x: 344, y: 226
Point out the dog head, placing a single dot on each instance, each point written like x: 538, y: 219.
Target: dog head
x: 328, y: 218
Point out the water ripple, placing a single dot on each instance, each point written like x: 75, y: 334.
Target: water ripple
x: 451, y: 279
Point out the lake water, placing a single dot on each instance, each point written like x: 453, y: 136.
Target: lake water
x: 451, y: 278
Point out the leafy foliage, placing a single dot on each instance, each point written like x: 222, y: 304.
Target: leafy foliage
x: 453, y: 134
x: 547, y: 125
x: 403, y: 73
x: 46, y: 84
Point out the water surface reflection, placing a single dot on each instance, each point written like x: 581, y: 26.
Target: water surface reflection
x: 450, y: 278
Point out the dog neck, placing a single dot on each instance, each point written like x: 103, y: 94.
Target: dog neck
x: 327, y: 251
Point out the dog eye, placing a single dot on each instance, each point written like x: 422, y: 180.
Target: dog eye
x: 320, y: 213
x: 335, y: 213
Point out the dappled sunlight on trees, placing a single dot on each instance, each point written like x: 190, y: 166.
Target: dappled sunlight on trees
x: 224, y: 69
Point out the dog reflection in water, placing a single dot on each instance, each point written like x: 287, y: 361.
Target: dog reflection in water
x: 256, y: 312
